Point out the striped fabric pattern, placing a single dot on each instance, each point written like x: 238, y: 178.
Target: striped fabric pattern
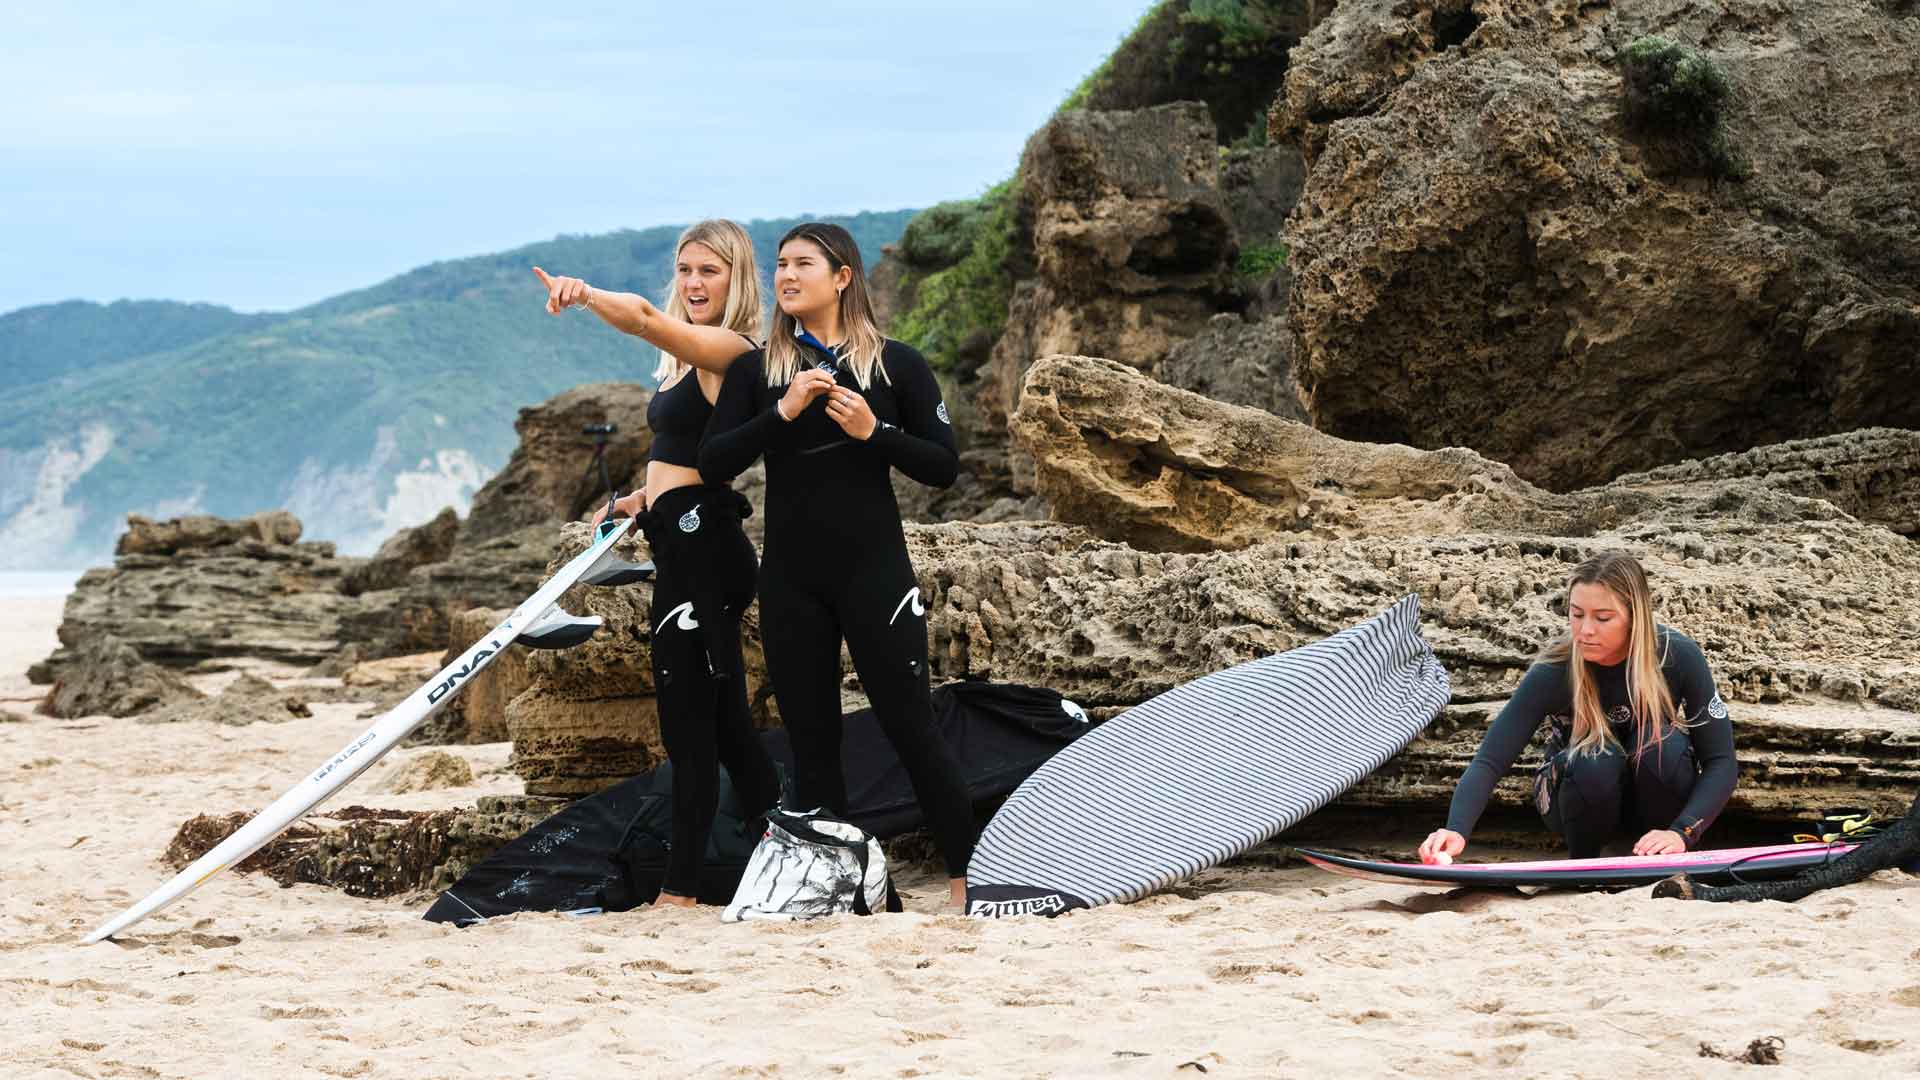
x: 1207, y: 770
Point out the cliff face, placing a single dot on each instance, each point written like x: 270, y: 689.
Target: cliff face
x: 1489, y: 252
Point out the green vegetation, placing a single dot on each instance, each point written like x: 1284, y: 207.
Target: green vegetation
x: 1260, y: 261
x: 1078, y: 99
x: 54, y: 341
x: 1677, y: 90
x: 961, y: 248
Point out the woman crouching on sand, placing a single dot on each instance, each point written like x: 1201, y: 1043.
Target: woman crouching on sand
x: 1638, y: 743
x: 704, y: 564
x: 835, y: 408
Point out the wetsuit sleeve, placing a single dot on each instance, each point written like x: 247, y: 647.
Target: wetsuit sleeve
x: 740, y: 428
x: 922, y: 445
x: 1506, y: 737
x: 1712, y: 734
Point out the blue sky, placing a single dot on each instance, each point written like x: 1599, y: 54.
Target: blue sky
x: 269, y: 157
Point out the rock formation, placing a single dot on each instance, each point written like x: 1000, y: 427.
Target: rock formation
x: 404, y: 550
x: 200, y: 592
x: 429, y: 772
x: 249, y: 699
x: 1132, y: 246
x: 1141, y: 462
x: 1487, y: 255
x: 106, y: 676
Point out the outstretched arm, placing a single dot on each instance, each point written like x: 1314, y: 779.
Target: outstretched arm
x: 710, y: 348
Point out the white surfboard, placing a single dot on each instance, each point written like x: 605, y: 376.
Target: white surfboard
x: 537, y: 623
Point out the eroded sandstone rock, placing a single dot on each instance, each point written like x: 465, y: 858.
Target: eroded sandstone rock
x: 401, y: 552
x: 201, y: 592
x: 106, y: 676
x: 1812, y: 623
x: 1158, y: 467
x: 203, y: 532
x: 1485, y: 255
x: 249, y: 699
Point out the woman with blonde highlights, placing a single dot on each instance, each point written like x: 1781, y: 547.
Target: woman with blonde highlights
x: 835, y: 408
x: 1638, y: 740
x: 704, y: 564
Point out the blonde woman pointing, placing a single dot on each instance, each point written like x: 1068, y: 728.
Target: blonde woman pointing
x: 705, y: 565
x: 1638, y: 745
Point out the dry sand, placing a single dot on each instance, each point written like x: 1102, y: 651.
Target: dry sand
x: 1244, y: 972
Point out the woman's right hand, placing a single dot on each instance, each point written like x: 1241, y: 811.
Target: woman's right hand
x: 563, y: 292
x: 1441, y: 846
x: 629, y: 504
x: 806, y: 386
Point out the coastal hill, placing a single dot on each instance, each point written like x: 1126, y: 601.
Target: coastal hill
x: 363, y: 413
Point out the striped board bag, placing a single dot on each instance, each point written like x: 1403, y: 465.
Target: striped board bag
x: 1207, y: 770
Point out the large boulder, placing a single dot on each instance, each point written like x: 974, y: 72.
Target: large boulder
x: 106, y: 676
x: 421, y: 545
x: 203, y: 532
x: 1487, y: 253
x: 202, y: 592
x: 1165, y: 469
x: 1131, y: 242
x: 1161, y: 468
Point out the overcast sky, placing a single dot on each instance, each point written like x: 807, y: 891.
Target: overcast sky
x: 269, y: 157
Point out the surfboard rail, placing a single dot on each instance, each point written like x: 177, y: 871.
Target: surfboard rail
x: 1767, y: 862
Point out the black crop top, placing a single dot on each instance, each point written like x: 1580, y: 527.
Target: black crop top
x: 678, y: 416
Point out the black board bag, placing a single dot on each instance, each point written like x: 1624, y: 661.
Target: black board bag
x: 609, y: 850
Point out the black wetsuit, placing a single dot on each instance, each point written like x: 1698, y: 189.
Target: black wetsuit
x: 704, y: 572
x: 836, y: 566
x: 1680, y: 783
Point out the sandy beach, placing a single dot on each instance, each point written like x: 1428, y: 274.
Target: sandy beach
x: 1248, y: 971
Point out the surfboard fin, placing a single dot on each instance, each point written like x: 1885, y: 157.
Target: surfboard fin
x: 619, y: 572
x: 555, y: 629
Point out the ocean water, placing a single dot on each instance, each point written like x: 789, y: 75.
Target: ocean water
x: 37, y: 584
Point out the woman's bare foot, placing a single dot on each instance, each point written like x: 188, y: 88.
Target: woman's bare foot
x: 956, y: 894
x: 667, y: 899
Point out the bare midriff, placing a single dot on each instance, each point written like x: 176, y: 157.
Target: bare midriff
x: 662, y: 478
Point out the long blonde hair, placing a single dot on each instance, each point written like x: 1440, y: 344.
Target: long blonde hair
x: 735, y: 248
x: 861, y: 350
x: 1651, y: 702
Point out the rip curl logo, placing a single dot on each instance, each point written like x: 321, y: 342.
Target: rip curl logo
x: 1050, y: 904
x: 690, y: 521
x: 912, y: 597
x: 681, y: 617
x: 941, y: 412
x: 1717, y: 708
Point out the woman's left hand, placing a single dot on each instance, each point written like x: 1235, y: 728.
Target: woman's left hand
x: 850, y: 410
x: 1660, y: 842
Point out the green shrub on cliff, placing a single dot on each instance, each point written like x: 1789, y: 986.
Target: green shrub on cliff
x: 963, y: 305
x: 1259, y: 261
x: 1676, y: 90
